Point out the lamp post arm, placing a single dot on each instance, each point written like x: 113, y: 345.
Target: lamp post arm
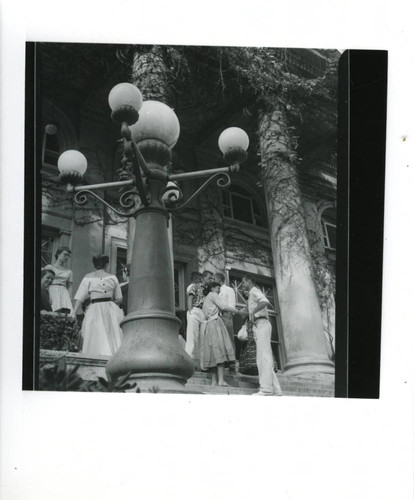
x: 204, y: 173
x: 105, y: 185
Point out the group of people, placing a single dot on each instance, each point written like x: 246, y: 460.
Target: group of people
x: 211, y: 305
x: 210, y: 334
x: 101, y: 331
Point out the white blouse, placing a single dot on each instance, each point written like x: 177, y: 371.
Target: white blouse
x: 213, y: 303
x: 99, y: 288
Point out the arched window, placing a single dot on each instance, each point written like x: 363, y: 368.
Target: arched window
x: 242, y: 205
x: 328, y: 223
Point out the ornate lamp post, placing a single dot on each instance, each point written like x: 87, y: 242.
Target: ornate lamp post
x: 150, y: 349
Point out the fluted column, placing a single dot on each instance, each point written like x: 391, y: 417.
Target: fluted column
x: 303, y: 334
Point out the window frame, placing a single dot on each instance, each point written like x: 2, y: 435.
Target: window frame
x: 324, y: 223
x: 116, y: 243
x: 251, y: 197
x: 325, y: 234
x: 53, y: 235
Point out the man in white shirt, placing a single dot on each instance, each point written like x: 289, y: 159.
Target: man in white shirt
x: 262, y: 328
x: 227, y: 293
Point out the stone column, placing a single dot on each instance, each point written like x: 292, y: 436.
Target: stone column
x: 303, y: 334
x: 325, y: 281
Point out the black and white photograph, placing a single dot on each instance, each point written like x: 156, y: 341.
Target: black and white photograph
x: 206, y: 254
x: 188, y: 219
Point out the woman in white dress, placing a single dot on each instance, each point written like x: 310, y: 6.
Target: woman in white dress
x: 217, y: 346
x: 61, y: 288
x: 101, y: 331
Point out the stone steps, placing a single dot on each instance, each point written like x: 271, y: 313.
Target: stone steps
x: 245, y: 384
x: 315, y: 385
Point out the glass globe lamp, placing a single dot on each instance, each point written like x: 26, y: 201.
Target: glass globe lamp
x: 156, y: 121
x: 72, y: 165
x: 233, y: 143
x: 125, y: 100
x: 125, y: 94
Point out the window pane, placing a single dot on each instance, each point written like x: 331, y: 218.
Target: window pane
x: 46, y: 251
x: 331, y: 229
x: 242, y: 209
x: 238, y: 190
x: 241, y: 299
x: 259, y: 219
x: 121, y: 261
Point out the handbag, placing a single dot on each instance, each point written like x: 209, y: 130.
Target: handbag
x: 242, y: 334
x: 247, y: 361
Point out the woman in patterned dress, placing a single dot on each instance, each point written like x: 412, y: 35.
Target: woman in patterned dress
x: 61, y: 288
x: 101, y: 331
x: 217, y: 346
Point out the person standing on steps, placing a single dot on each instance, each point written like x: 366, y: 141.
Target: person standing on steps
x: 228, y: 295
x: 46, y: 279
x: 61, y: 288
x: 101, y: 331
x: 262, y: 329
x: 196, y: 293
x: 217, y: 348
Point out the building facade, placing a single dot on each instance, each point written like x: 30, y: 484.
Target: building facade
x: 277, y: 220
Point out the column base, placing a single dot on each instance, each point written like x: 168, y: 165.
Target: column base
x: 309, y: 365
x: 158, y: 383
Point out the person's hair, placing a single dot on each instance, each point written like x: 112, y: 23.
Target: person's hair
x: 206, y: 273
x: 220, y: 277
x: 60, y: 250
x: 127, y: 269
x: 43, y: 272
x: 195, y: 274
x: 100, y: 261
x: 249, y: 278
x: 212, y: 285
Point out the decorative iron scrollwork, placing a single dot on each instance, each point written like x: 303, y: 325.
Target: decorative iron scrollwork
x: 126, y: 201
x: 223, y: 181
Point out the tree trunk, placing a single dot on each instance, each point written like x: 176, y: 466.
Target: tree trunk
x: 303, y: 334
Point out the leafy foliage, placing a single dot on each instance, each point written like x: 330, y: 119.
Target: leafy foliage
x: 59, y: 332
x: 57, y: 377
x: 112, y: 385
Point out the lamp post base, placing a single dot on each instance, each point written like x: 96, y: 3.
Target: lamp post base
x: 152, y: 354
x: 158, y: 382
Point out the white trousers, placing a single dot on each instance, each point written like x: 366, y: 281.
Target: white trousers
x: 268, y: 380
x: 196, y: 326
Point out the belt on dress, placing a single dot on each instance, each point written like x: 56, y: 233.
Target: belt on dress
x: 58, y: 284
x: 100, y: 300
